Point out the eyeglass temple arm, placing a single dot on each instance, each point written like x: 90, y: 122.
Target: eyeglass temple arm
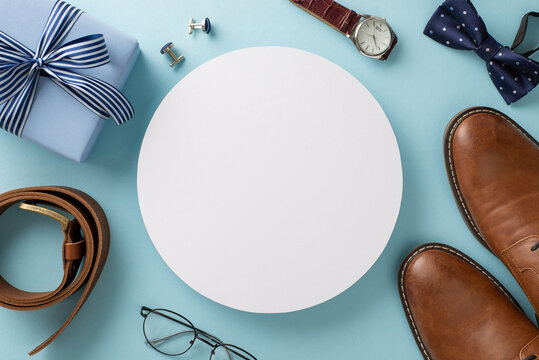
x: 165, y: 338
x: 168, y: 337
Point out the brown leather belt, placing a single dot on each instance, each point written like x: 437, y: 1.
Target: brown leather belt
x: 92, y: 245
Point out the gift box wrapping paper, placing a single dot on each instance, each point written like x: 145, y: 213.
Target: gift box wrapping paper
x: 57, y: 121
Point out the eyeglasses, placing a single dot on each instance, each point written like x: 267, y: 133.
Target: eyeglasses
x: 172, y: 334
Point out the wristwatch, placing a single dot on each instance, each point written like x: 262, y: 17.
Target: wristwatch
x: 372, y: 35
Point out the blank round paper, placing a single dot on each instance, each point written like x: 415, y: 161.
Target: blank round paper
x: 269, y: 180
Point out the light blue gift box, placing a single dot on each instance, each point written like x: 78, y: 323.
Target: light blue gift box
x: 57, y: 121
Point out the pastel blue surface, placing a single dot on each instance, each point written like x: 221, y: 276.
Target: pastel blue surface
x: 58, y: 121
x: 420, y: 87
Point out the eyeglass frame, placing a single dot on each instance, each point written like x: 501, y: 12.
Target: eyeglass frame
x: 145, y: 311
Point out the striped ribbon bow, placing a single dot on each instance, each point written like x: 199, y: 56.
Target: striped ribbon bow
x: 20, y: 69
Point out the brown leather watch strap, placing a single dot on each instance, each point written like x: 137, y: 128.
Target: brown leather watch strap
x: 92, y: 245
x: 332, y: 13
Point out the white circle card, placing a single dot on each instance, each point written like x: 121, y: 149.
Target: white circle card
x: 269, y: 179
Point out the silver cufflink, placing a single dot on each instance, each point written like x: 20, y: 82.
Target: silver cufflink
x: 205, y: 25
x: 168, y: 49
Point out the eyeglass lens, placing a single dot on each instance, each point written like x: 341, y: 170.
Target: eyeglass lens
x: 168, y: 332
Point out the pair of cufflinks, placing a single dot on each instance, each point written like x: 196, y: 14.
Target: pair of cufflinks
x: 204, y: 25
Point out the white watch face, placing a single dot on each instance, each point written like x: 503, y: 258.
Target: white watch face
x: 373, y: 37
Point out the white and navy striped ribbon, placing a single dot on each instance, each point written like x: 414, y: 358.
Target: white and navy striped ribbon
x: 20, y: 69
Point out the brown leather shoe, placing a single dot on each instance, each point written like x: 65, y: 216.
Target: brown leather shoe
x: 457, y: 310
x: 493, y: 168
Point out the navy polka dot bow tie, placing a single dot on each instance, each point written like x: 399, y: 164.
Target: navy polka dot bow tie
x: 457, y: 24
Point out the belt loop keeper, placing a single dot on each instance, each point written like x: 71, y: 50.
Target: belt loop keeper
x: 75, y: 251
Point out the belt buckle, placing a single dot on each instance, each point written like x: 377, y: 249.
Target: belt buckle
x: 63, y: 220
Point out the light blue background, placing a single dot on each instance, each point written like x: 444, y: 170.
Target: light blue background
x: 421, y: 87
